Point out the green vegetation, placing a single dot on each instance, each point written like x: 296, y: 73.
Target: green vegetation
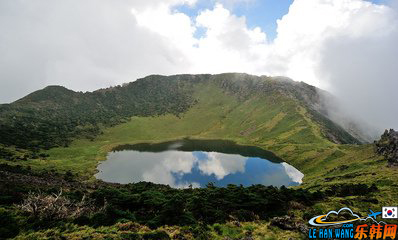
x: 274, y: 114
x: 132, y: 230
x: 67, y: 207
x: 54, y: 115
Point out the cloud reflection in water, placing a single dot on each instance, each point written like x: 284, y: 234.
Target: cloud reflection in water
x: 180, y: 169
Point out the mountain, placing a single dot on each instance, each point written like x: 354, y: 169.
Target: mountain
x: 53, y: 116
x: 52, y: 140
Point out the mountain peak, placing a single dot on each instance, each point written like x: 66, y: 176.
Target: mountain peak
x: 49, y: 93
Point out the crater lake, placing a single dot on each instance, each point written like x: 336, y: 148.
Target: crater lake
x: 195, y: 163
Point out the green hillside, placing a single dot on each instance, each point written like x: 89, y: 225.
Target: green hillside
x: 273, y: 113
x: 54, y: 115
x: 65, y: 134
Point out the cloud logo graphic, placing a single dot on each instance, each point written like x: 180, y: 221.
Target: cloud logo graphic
x: 322, y: 220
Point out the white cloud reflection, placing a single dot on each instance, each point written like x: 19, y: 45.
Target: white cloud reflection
x: 293, y: 173
x: 222, y: 165
x: 183, y: 169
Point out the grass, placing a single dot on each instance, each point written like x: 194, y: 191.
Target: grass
x: 257, y: 230
x: 129, y: 230
x: 259, y: 121
x: 275, y: 123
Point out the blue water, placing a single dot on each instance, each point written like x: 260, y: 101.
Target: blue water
x: 181, y: 168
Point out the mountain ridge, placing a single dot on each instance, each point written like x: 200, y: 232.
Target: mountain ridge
x: 55, y: 115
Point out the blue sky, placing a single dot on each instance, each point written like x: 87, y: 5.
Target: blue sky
x: 263, y: 14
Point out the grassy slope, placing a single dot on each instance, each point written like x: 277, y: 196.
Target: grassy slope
x: 264, y: 121
x: 124, y: 231
x: 274, y: 123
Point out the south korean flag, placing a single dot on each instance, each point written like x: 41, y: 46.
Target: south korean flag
x: 390, y: 212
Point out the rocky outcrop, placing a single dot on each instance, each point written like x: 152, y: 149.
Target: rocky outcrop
x: 289, y: 223
x: 387, y: 146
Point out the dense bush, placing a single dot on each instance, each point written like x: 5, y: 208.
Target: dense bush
x: 343, y: 190
x: 157, y: 205
x: 41, y: 207
x: 8, y: 225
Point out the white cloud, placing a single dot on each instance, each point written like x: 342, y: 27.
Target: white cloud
x: 134, y: 166
x: 179, y: 162
x: 82, y: 45
x: 221, y: 164
x: 230, y: 4
x: 228, y: 45
x: 346, y: 46
x: 162, y: 170
x: 174, y: 26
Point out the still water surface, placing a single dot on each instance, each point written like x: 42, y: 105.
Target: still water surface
x: 196, y: 163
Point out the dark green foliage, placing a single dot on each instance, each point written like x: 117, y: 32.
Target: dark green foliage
x: 17, y: 181
x: 131, y: 236
x: 222, y: 146
x: 68, y: 175
x: 8, y: 224
x: 217, y: 228
x: 53, y: 116
x: 6, y: 154
x: 200, y: 231
x: 14, y: 168
x: 10, y: 193
x: 344, y: 190
x: 156, y: 235
x: 157, y: 205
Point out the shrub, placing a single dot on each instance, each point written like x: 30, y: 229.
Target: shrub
x: 8, y: 225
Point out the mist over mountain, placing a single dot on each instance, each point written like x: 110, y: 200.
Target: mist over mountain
x: 195, y: 119
x: 345, y: 47
x: 55, y: 115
